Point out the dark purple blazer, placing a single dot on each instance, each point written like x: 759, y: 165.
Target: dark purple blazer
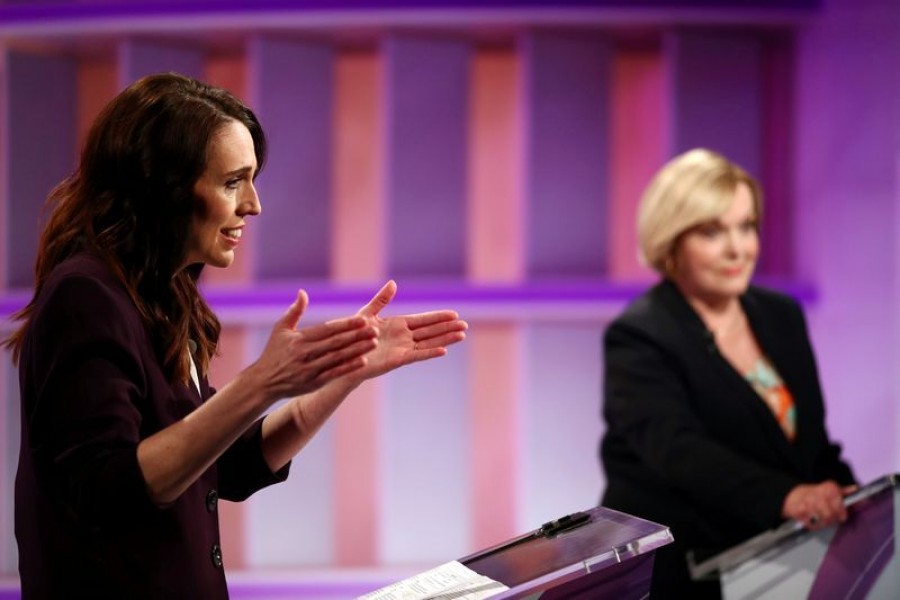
x: 689, y: 443
x: 92, y: 388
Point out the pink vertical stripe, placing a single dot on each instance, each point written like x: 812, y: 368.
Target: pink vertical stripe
x: 494, y: 375
x: 97, y: 84
x: 358, y: 255
x: 638, y: 150
x: 359, y: 252
x: 496, y: 213
x: 495, y: 205
x: 356, y: 506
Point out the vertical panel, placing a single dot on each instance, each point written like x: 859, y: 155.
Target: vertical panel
x: 562, y: 472
x: 495, y: 452
x: 358, y: 254
x: 9, y: 452
x: 5, y: 212
x: 496, y: 222
x: 777, y: 257
x: 716, y: 97
x: 97, y: 85
x: 639, y: 145
x: 39, y: 99
x: 359, y: 227
x: 848, y: 207
x: 291, y: 89
x: 425, y: 487
x: 138, y: 58
x: 567, y: 99
x: 496, y: 208
x: 427, y: 98
x: 358, y: 449
x: 292, y: 523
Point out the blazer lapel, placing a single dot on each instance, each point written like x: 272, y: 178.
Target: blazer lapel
x: 694, y: 329
x: 767, y: 339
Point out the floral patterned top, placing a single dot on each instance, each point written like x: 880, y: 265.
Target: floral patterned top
x: 768, y: 384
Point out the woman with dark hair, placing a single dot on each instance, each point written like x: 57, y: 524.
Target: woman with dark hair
x: 125, y: 447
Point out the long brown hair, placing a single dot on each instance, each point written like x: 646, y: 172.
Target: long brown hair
x: 131, y: 201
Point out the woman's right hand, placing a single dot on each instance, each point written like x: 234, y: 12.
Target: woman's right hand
x: 816, y: 505
x: 299, y: 361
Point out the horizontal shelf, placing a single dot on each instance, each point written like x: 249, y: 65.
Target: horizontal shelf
x: 53, y: 18
x: 565, y: 300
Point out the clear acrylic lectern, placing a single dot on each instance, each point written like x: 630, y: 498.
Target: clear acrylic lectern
x: 858, y: 559
x: 599, y: 553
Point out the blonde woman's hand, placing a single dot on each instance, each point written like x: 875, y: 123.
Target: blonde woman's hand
x: 816, y: 505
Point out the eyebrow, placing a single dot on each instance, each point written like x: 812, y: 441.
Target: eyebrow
x: 239, y: 171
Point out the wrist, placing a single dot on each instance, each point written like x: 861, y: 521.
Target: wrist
x: 257, y: 387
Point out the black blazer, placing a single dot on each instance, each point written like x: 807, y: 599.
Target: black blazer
x: 92, y: 388
x: 689, y: 443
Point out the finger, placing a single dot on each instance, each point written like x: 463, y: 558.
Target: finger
x: 290, y: 318
x: 340, y: 370
x: 442, y: 341
x: 420, y: 354
x: 347, y: 354
x: 838, y: 508
x: 381, y: 299
x: 429, y: 318
x: 312, y: 351
x: 439, y: 329
x: 314, y: 333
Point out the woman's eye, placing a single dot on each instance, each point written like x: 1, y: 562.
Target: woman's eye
x: 709, y: 231
x: 232, y: 183
x: 748, y: 226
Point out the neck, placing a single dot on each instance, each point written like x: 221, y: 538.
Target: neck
x: 719, y: 314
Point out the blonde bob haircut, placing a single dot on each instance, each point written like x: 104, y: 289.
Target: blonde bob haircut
x: 693, y: 188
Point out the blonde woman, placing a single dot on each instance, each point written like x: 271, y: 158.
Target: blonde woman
x: 714, y: 413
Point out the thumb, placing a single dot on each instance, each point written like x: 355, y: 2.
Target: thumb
x: 381, y: 299
x: 290, y: 318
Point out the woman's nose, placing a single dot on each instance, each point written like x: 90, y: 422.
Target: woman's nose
x: 732, y: 241
x: 250, y: 204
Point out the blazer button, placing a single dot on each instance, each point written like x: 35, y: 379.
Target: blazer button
x: 216, y: 556
x: 212, y: 498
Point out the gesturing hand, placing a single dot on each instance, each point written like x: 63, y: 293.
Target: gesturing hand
x: 407, y: 338
x: 296, y: 362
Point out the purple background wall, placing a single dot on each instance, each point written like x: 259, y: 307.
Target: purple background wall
x: 803, y: 93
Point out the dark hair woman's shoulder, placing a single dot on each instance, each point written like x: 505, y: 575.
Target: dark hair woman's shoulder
x: 82, y: 274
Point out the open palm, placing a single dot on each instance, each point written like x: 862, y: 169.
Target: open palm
x: 407, y: 338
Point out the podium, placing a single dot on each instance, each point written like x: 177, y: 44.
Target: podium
x: 858, y: 559
x: 599, y: 553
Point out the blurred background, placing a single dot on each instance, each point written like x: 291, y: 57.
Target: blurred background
x: 489, y: 157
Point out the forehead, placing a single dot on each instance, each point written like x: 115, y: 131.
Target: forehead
x: 742, y: 205
x: 231, y: 147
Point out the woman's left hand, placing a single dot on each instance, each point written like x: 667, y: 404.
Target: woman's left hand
x: 407, y: 339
